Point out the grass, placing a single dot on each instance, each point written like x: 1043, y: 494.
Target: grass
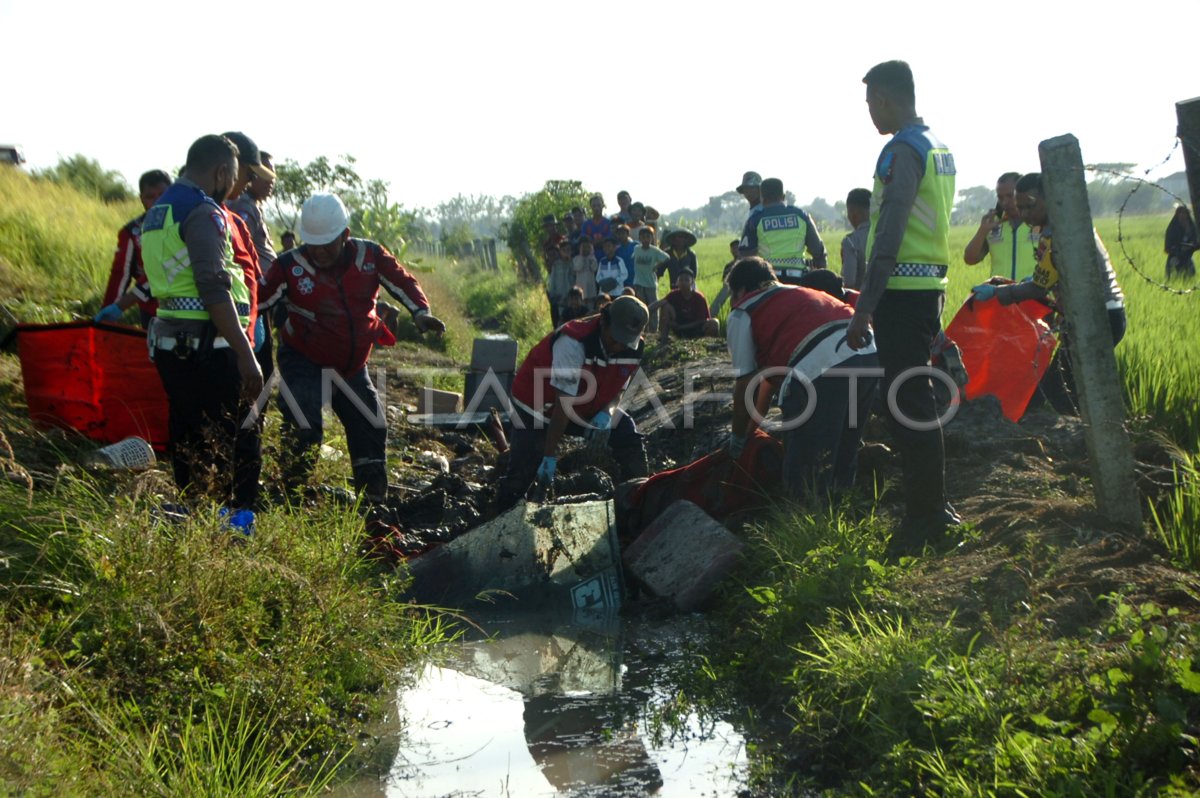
x: 55, y: 247
x: 883, y: 697
x: 145, y: 632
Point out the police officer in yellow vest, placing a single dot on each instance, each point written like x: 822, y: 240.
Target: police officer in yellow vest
x: 1003, y: 236
x: 908, y: 250
x: 780, y: 233
x: 198, y: 340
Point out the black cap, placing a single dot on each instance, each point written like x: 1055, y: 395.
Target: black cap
x: 248, y: 153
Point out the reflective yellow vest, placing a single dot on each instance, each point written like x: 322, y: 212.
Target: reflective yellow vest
x: 924, y: 254
x: 1012, y: 251
x: 168, y: 267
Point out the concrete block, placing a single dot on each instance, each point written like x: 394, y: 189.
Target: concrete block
x: 485, y: 390
x: 683, y: 555
x: 548, y: 556
x: 431, y: 400
x: 495, y: 352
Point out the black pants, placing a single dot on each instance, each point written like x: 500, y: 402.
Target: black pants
x: 906, y: 323
x: 212, y: 454
x: 820, y: 456
x: 301, y: 399
x: 1057, y: 387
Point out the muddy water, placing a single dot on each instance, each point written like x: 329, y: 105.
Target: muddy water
x: 548, y: 706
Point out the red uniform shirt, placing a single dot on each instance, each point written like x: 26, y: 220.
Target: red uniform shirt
x: 786, y: 325
x: 246, y: 256
x: 331, y: 312
x: 127, y: 271
x: 534, y: 385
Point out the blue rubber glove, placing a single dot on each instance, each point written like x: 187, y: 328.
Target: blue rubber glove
x: 984, y: 292
x: 545, y: 472
x: 737, y: 445
x: 260, y: 333
x: 109, y: 313
x: 599, y: 429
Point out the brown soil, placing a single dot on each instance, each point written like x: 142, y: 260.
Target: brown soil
x: 1035, y: 546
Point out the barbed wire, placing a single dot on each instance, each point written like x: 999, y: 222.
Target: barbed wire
x: 1138, y: 183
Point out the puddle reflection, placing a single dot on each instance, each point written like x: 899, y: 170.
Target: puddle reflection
x: 552, y: 708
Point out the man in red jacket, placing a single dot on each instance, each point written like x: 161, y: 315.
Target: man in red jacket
x: 570, y: 383
x: 331, y: 285
x: 127, y: 270
x: 794, y: 339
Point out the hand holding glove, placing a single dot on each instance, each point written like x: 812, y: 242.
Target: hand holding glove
x: 599, y: 429
x: 109, y: 313
x: 545, y: 472
x: 984, y: 292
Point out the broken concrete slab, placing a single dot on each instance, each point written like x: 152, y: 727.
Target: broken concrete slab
x: 563, y: 555
x: 485, y: 390
x: 682, y: 555
x: 431, y: 400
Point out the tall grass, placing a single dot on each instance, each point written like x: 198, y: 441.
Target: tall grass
x: 284, y: 640
x: 56, y: 246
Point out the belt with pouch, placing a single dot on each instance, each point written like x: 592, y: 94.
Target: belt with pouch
x: 166, y: 344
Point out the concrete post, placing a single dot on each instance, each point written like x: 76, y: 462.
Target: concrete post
x: 1095, y: 365
x: 1188, y: 114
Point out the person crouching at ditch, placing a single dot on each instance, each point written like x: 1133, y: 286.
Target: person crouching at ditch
x: 684, y: 312
x: 331, y: 285
x: 794, y: 339
x: 570, y: 383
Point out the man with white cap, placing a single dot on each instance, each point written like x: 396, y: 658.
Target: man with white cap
x: 571, y: 382
x: 331, y: 284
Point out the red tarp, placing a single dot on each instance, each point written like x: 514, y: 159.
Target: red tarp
x: 94, y: 378
x: 716, y: 483
x: 1005, y: 348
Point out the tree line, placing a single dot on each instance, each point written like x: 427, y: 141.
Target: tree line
x: 457, y: 222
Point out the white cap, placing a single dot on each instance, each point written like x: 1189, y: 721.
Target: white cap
x: 323, y: 218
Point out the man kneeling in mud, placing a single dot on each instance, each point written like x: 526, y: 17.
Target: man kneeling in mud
x: 570, y: 383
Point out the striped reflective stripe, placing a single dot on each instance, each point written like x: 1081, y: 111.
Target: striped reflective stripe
x: 175, y: 264
x: 919, y: 270
x: 194, y: 303
x: 400, y: 294
x: 924, y: 213
x: 299, y: 311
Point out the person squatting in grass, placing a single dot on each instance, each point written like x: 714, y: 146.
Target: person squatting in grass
x: 570, y: 383
x: 684, y: 312
x: 903, y: 293
x: 330, y: 286
x: 794, y: 339
x: 1058, y: 383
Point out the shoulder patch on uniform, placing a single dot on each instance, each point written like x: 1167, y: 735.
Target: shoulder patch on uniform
x: 886, y: 161
x: 155, y: 218
x: 218, y: 219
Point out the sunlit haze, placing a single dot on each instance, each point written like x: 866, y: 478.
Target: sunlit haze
x: 670, y: 100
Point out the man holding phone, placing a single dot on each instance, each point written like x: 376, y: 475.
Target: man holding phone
x: 1003, y: 236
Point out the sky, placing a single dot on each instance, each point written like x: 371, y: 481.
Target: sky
x: 663, y: 99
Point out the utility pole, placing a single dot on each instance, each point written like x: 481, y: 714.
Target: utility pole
x: 1188, y: 114
x: 1102, y: 399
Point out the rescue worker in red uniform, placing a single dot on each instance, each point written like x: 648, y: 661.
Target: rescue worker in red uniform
x: 127, y: 270
x: 794, y: 339
x: 330, y: 285
x: 571, y: 382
